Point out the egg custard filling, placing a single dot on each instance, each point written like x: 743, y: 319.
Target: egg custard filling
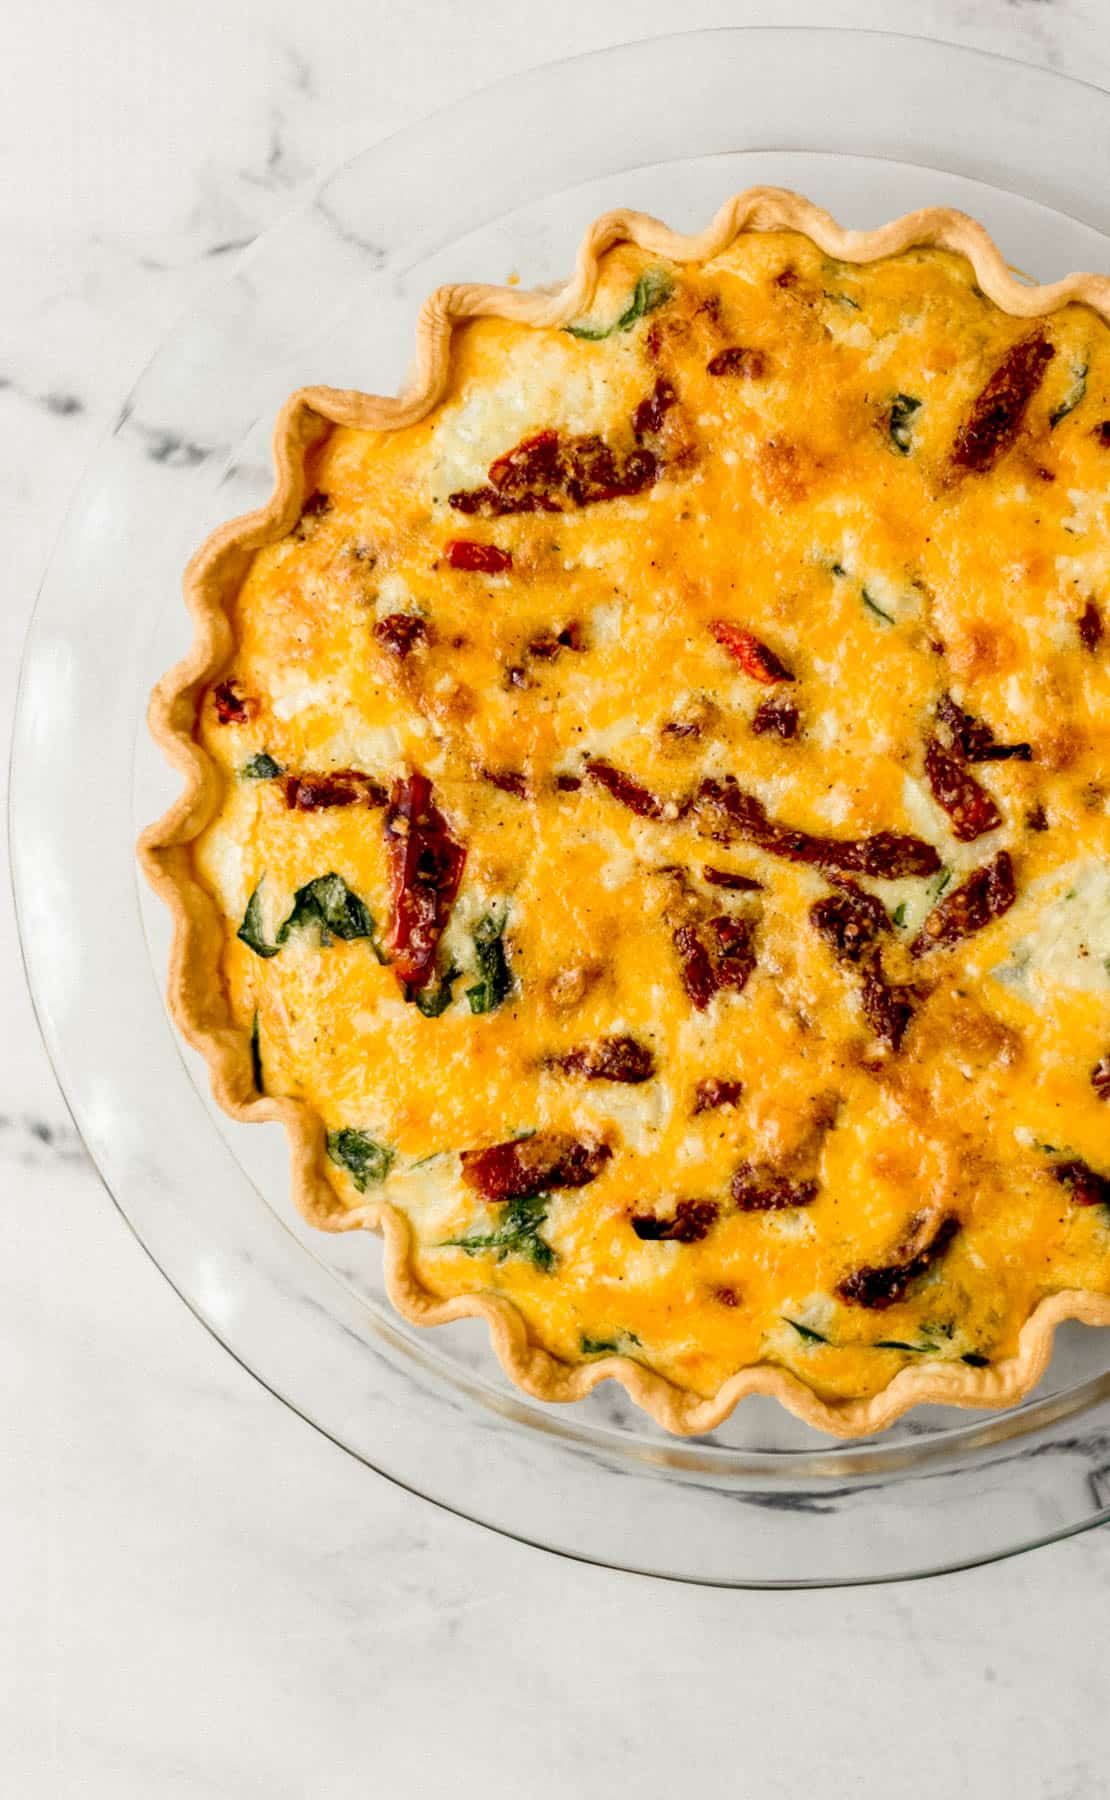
x: 650, y: 820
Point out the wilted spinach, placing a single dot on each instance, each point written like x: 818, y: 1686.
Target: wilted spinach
x: 366, y: 1161
x: 516, y: 1234
x: 495, y: 977
x: 653, y: 289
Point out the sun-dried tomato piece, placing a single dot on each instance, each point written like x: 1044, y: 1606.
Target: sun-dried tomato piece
x: 749, y: 364
x: 508, y: 780
x: 592, y: 471
x: 545, y: 472
x: 695, y: 966
x: 529, y: 469
x: 520, y: 481
x: 886, y: 855
x: 621, y: 1059
x: 975, y: 740
x: 753, y: 656
x: 1086, y: 1187
x: 400, y: 633
x: 726, y: 811
x: 487, y: 503
x: 531, y: 1165
x: 483, y: 559
x: 776, y: 718
x: 968, y: 805
x: 492, y: 502
x: 731, y: 878
x: 232, y: 707
x: 1036, y: 818
x: 595, y: 472
x: 988, y: 892
x: 849, y: 920
x: 1101, y: 431
x: 878, y: 1287
x: 649, y: 415
x: 692, y: 1221
x: 568, y: 784
x: 630, y: 793
x: 887, y: 1007
x: 713, y: 1093
x: 715, y: 955
x: 425, y: 866
x: 998, y: 410
x: 332, y: 787
x: 756, y: 1187
x: 1090, y: 627
x: 1100, y: 1077
x: 731, y: 948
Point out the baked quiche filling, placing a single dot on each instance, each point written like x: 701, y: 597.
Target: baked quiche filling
x: 665, y: 831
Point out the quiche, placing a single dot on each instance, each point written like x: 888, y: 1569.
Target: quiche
x: 646, y: 823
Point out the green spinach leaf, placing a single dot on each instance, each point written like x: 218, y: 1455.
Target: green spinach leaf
x: 516, y: 1234
x: 873, y: 606
x: 900, y: 422
x: 613, y: 1346
x: 435, y: 999
x: 366, y: 1162
x: 261, y: 767
x: 1073, y: 396
x: 495, y: 976
x: 805, y: 1333
x: 251, y: 931
x: 936, y: 1333
x: 653, y: 289
x: 330, y: 904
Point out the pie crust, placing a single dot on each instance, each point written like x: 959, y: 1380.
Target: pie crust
x: 197, y: 998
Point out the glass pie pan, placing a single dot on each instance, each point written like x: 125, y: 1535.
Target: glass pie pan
x: 504, y: 182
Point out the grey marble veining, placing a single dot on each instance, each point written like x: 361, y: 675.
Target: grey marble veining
x: 201, y: 1596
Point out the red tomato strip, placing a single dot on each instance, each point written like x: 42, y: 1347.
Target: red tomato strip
x: 530, y: 1165
x: 425, y: 865
x: 754, y: 657
x: 483, y: 559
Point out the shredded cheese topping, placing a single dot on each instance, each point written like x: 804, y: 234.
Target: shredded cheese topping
x: 837, y: 1107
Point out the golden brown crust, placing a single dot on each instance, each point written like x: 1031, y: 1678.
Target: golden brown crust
x: 198, y: 1002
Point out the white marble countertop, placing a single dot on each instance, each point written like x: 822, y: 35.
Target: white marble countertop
x: 201, y: 1597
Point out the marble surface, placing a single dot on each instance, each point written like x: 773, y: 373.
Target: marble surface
x: 202, y: 1597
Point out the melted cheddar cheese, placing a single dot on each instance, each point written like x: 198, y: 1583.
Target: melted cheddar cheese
x: 857, y: 1194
